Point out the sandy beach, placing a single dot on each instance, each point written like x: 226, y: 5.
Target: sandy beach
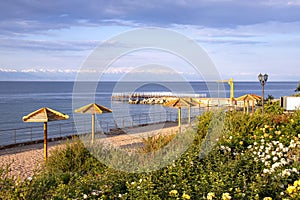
x: 24, y: 160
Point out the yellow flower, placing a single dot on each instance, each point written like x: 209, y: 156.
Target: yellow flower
x: 173, y: 193
x: 267, y: 198
x: 241, y: 142
x: 277, y: 132
x: 297, y: 183
x: 186, y: 196
x: 292, y: 120
x: 270, y: 136
x: 226, y: 196
x: 210, y: 195
x: 291, y: 189
x: 266, y: 135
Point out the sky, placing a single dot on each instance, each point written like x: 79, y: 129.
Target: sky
x: 52, y: 39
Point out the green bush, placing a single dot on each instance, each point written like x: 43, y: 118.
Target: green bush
x: 254, y: 157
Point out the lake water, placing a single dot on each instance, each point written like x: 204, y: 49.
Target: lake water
x: 20, y: 98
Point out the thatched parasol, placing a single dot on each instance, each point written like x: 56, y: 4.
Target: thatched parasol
x: 247, y: 98
x: 179, y: 103
x: 93, y: 109
x: 45, y: 115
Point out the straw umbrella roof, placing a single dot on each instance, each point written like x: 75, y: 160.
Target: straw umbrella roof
x: 93, y: 108
x: 45, y: 115
x: 248, y: 97
x: 179, y: 103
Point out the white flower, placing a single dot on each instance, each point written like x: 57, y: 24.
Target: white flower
x: 281, y: 193
x: 138, y: 187
x: 295, y: 170
x: 283, y: 162
x: 275, y: 158
x: 268, y: 157
x: 280, y: 145
x: 85, y: 196
x: 286, y: 149
x: 266, y: 171
x: 120, y: 195
x: 261, y: 147
x: 29, y: 178
x: 249, y: 147
x: 267, y: 163
x: 140, y: 180
x: 255, y: 143
x: 273, y: 153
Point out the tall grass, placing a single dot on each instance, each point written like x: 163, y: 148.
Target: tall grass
x: 255, y: 157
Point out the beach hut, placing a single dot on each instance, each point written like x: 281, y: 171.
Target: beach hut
x: 179, y: 103
x: 45, y: 115
x: 93, y: 109
x: 246, y: 99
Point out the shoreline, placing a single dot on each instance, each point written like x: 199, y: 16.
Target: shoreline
x: 24, y: 160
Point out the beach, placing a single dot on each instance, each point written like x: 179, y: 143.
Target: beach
x: 24, y: 160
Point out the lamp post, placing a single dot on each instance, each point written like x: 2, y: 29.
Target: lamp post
x: 263, y: 79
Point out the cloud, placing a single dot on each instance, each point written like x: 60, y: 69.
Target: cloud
x: 46, y: 45
x: 19, y: 16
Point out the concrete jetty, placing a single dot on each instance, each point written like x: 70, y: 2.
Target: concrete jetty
x: 151, y: 97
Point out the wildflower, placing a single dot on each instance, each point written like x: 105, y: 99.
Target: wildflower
x: 140, y: 180
x: 29, y: 178
x: 275, y: 158
x: 210, y: 195
x: 132, y: 183
x: 291, y: 189
x: 297, y: 183
x: 120, y: 195
x: 85, y: 196
x: 267, y: 198
x: 173, y: 193
x: 226, y: 196
x: 277, y: 132
x: 241, y: 142
x: 186, y: 196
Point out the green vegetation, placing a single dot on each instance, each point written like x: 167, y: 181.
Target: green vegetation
x: 256, y: 157
x: 298, y: 88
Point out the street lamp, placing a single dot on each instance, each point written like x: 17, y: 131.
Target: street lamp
x: 263, y: 79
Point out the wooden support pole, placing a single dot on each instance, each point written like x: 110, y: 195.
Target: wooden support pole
x: 93, y: 128
x: 179, y: 119
x: 189, y: 117
x: 45, y: 142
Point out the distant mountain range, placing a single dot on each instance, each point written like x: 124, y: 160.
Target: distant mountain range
x: 36, y: 75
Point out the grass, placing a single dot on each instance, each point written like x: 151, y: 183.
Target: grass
x: 254, y: 157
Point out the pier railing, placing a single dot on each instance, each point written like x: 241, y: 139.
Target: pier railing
x: 34, y: 134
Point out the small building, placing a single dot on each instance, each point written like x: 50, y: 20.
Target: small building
x: 290, y: 103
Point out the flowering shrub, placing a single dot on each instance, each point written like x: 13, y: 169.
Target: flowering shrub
x: 256, y: 157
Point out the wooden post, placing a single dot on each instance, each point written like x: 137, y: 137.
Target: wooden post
x: 45, y: 142
x: 179, y: 119
x: 189, y: 119
x: 93, y: 128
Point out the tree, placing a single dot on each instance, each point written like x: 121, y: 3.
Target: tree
x: 298, y: 88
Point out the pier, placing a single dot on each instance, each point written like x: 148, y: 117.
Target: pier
x: 151, y: 97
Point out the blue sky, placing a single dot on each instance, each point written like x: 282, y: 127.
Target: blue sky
x: 243, y: 38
